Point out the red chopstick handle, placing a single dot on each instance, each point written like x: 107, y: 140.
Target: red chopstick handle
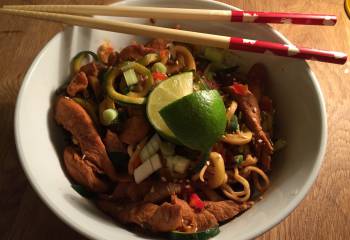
x: 287, y: 50
x: 282, y: 18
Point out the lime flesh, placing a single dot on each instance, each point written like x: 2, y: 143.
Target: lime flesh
x: 166, y: 92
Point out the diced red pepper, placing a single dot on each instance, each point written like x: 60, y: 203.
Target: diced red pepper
x: 239, y: 88
x: 266, y: 104
x: 196, y: 202
x: 158, y: 76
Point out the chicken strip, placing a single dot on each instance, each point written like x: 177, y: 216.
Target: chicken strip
x: 134, y: 52
x: 205, y: 220
x: 78, y: 84
x: 164, y: 218
x: 76, y: 120
x: 113, y: 143
x: 135, y: 129
x: 224, y: 210
x: 82, y: 172
x: 168, y: 217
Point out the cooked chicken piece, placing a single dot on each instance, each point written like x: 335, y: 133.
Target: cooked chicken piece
x: 135, y: 111
x: 134, y: 52
x: 82, y: 172
x: 132, y: 191
x: 164, y: 218
x: 110, y: 208
x: 90, y: 69
x: 120, y: 191
x: 177, y: 215
x: 134, y: 130
x: 137, y: 213
x: 224, y: 210
x: 75, y: 119
x: 158, y: 44
x: 168, y: 217
x: 113, y: 59
x: 78, y: 84
x: 189, y: 223
x: 161, y: 191
x: 112, y: 142
x: 205, y: 220
x: 140, y: 213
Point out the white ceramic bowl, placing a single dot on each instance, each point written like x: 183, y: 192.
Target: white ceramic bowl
x: 301, y: 119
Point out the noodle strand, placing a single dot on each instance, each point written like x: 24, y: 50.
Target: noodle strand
x: 237, y: 196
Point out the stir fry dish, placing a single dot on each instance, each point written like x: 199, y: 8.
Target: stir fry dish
x: 167, y: 138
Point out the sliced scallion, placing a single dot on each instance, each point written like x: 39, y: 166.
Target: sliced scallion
x: 130, y: 77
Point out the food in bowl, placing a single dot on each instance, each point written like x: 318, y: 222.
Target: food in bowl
x: 166, y: 137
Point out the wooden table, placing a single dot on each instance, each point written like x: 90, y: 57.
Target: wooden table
x: 323, y: 214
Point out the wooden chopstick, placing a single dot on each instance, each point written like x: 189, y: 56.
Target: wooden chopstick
x: 188, y: 36
x: 185, y: 14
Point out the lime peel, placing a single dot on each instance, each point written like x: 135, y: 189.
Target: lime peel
x: 198, y: 120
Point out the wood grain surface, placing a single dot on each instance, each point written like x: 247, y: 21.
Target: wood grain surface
x: 323, y: 214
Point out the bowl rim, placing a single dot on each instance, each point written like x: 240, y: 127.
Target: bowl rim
x: 91, y: 234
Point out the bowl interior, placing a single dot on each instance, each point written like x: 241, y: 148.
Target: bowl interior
x: 300, y: 119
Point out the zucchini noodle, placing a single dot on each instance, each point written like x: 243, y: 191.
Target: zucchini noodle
x: 241, y: 196
x: 213, y: 172
x: 249, y: 161
x: 190, y: 64
x: 258, y: 171
x: 200, y: 174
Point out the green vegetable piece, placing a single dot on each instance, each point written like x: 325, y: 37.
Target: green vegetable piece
x: 80, y: 57
x: 130, y: 77
x: 159, y: 67
x: 110, y: 116
x: 149, y: 59
x: 204, y: 235
x: 234, y: 123
x: 238, y: 159
x: 214, y: 54
x: 83, y: 191
x: 132, y: 97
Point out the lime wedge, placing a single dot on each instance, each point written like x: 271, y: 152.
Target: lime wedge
x: 166, y: 92
x: 198, y: 120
